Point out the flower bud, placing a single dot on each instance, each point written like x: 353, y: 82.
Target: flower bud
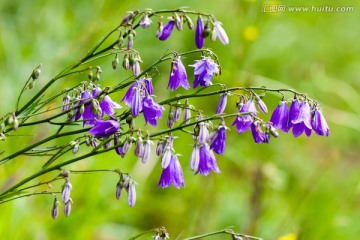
x: 189, y: 22
x: 160, y: 148
x: 126, y: 147
x: 36, y: 72
x: 90, y: 74
x: 75, y: 148
x: 107, y: 145
x: 131, y: 194
x: 207, y: 30
x: 274, y: 132
x: 220, y: 32
x: 178, y: 22
x: 66, y: 191
x: 139, y: 147
x: 120, y: 41
x: 136, y: 67
x: 203, y: 133
x: 94, y: 143
x: 128, y: 17
x: 213, y: 35
x: 170, y: 121
x: 67, y: 207
x: 196, y: 130
x: 222, y: 103
x: 2, y: 136
x: 177, y: 113
x: 118, y: 190
x: 261, y: 105
x: 55, y: 209
x: 31, y: 84
x: 115, y: 62
x: 126, y: 62
x: 146, y: 152
x: 2, y: 126
x: 130, y: 41
x: 160, y: 28
x: 13, y: 121
x: 165, y: 160
x: 65, y: 173
x: 199, y: 33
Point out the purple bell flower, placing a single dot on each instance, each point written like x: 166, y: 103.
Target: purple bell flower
x: 319, y: 124
x: 258, y: 134
x: 178, y: 76
x: 167, y: 30
x: 243, y: 123
x: 104, y: 129
x: 149, y: 86
x: 199, y: 33
x: 145, y: 21
x: 130, y: 93
x: 136, y: 106
x: 220, y: 32
x: 151, y: 110
x: 301, y: 120
x: 280, y: 117
x: 219, y: 141
x: 204, y: 72
x: 207, y: 161
x: 172, y: 174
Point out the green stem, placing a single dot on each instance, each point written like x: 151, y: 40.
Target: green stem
x: 29, y: 195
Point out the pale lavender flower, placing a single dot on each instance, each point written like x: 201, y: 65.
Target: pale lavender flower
x: 280, y: 117
x: 67, y: 207
x: 167, y: 30
x: 187, y: 114
x: 160, y: 148
x: 203, y: 133
x: 66, y: 191
x: 139, y: 147
x: 243, y: 123
x: 261, y: 105
x: 131, y: 194
x: 222, y: 103
x: 319, y: 124
x: 220, y: 32
x: 66, y: 103
x: 178, y: 76
x: 136, y: 67
x: 207, y: 161
x: 204, y: 71
x: 151, y: 110
x: 145, y: 21
x: 136, y: 106
x: 165, y: 160
x: 146, y: 152
x: 126, y: 146
x: 195, y: 158
x: 172, y: 174
x: 127, y: 18
x: 199, y: 33
x: 177, y: 113
x: 104, y: 129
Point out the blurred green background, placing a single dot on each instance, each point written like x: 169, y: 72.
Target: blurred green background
x: 289, y: 189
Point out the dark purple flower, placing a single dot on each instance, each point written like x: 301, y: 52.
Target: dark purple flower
x: 204, y: 71
x: 301, y: 119
x: 151, y: 110
x: 319, y: 124
x: 167, y: 30
x: 178, y: 76
x: 293, y: 112
x: 173, y: 174
x: 207, y: 161
x: 130, y: 93
x: 243, y: 123
x: 280, y: 117
x: 104, y: 129
x: 219, y: 141
x: 222, y: 103
x: 199, y: 33
x: 258, y: 134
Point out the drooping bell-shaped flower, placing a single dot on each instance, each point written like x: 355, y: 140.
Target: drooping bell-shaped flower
x: 149, y: 86
x: 222, y: 103
x: 172, y: 174
x: 319, y: 124
x: 145, y: 21
x: 218, y: 144
x: 178, y: 76
x: 130, y: 93
x: 104, y: 129
x: 199, y: 33
x: 204, y: 71
x: 195, y: 157
x: 131, y: 193
x: 147, y: 150
x: 207, y: 161
x: 167, y: 30
x: 302, y: 121
x: 136, y: 106
x: 220, y: 32
x: 243, y: 123
x: 203, y: 133
x: 151, y: 110
x: 280, y: 117
x: 258, y: 134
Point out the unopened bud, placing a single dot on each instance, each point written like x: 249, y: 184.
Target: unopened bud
x: 145, y: 21
x: 177, y: 113
x: 160, y: 28
x: 274, y: 132
x: 31, y: 84
x: 55, y: 209
x: 178, y: 22
x: 36, y: 72
x: 160, y: 148
x: 118, y: 190
x: 213, y: 35
x: 66, y: 191
x: 146, y: 151
x: 67, y: 207
x: 90, y: 74
x: 120, y: 41
x: 195, y: 158
x: 207, y: 30
x: 126, y: 62
x: 139, y: 147
x: 2, y: 126
x: 196, y: 130
x: 115, y: 62
x: 2, y: 136
x: 130, y: 41
x: 165, y: 160
x: 131, y: 194
x: 127, y: 18
x: 189, y: 22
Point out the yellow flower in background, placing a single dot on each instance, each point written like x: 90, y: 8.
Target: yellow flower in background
x: 291, y: 236
x: 251, y: 33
